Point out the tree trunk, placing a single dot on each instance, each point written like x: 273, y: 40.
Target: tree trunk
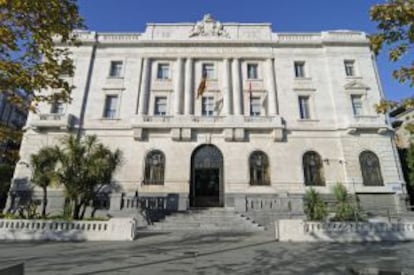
x: 44, y: 205
x: 76, y: 209
x: 85, y: 205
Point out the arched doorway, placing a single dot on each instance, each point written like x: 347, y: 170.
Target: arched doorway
x: 206, y: 187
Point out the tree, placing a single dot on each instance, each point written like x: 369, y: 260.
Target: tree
x: 43, y: 171
x: 395, y: 26
x: 6, y: 174
x: 85, y: 167
x: 410, y: 164
x: 315, y: 207
x: 29, y: 62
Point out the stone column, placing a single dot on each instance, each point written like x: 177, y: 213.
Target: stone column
x: 144, y: 90
x: 271, y: 87
x: 237, y: 90
x: 189, y: 89
x: 226, y: 88
x: 178, y: 87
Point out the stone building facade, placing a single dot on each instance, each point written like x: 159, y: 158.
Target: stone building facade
x: 228, y: 115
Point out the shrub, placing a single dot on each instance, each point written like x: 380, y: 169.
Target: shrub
x: 315, y: 207
x: 345, y: 210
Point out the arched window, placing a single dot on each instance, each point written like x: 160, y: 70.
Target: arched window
x: 370, y: 168
x: 259, y: 169
x: 313, y: 169
x: 154, y: 167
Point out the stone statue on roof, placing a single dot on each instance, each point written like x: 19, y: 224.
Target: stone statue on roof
x: 208, y: 27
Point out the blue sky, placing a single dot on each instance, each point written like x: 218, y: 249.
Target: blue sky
x: 284, y: 15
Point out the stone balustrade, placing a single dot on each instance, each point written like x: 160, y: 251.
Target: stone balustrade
x: 125, y: 38
x: 116, y: 229
x: 153, y: 203
x: 305, y: 231
x: 60, y: 121
x: 207, y: 121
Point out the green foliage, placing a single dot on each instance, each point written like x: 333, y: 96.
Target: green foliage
x: 43, y: 171
x: 9, y: 216
x: 28, y: 30
x: 85, y: 167
x: 410, y: 164
x: 28, y: 211
x: 315, y: 207
x: 6, y: 174
x: 395, y: 24
x: 345, y: 209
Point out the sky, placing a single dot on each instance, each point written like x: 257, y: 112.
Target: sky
x: 284, y: 15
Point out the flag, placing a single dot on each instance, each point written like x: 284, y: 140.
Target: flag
x: 203, y: 84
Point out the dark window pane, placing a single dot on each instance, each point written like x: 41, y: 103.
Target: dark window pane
x: 154, y: 168
x: 259, y: 169
x: 313, y: 169
x: 370, y: 168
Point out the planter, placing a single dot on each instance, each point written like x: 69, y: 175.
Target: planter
x: 304, y: 231
x: 116, y: 229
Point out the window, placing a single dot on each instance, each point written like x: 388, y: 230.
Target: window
x: 116, y: 69
x: 370, y: 168
x: 207, y: 108
x: 208, y: 71
x: 259, y: 168
x: 163, y: 71
x: 154, y: 168
x: 57, y: 108
x: 313, y: 169
x: 356, y: 101
x: 255, y: 106
x: 252, y: 71
x: 304, y: 111
x: 111, y: 102
x: 349, y: 67
x: 299, y: 69
x: 160, y: 108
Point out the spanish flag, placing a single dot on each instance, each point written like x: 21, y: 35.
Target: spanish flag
x: 203, y: 85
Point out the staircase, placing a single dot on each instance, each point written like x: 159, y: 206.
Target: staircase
x: 202, y: 220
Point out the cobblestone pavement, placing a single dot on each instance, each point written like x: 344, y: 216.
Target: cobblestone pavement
x: 205, y: 254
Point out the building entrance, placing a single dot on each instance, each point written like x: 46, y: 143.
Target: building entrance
x: 206, y: 188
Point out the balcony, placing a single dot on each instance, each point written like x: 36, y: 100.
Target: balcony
x: 264, y: 122
x: 234, y: 126
x: 361, y: 123
x: 52, y: 121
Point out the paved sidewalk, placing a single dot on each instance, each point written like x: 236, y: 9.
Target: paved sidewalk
x: 207, y: 253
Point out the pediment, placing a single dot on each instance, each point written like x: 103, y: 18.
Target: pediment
x: 356, y: 85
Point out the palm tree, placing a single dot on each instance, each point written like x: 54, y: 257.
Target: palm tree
x: 86, y: 166
x: 43, y: 171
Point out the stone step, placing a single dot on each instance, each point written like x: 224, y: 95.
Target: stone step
x: 204, y: 218
x: 203, y: 227
x: 227, y: 224
x: 221, y: 219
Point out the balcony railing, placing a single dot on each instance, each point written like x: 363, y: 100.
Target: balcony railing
x: 60, y: 121
x: 368, y: 122
x: 207, y: 122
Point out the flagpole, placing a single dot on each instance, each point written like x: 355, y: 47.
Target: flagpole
x: 250, y: 97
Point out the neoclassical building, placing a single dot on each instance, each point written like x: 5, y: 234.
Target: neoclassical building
x: 228, y: 115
